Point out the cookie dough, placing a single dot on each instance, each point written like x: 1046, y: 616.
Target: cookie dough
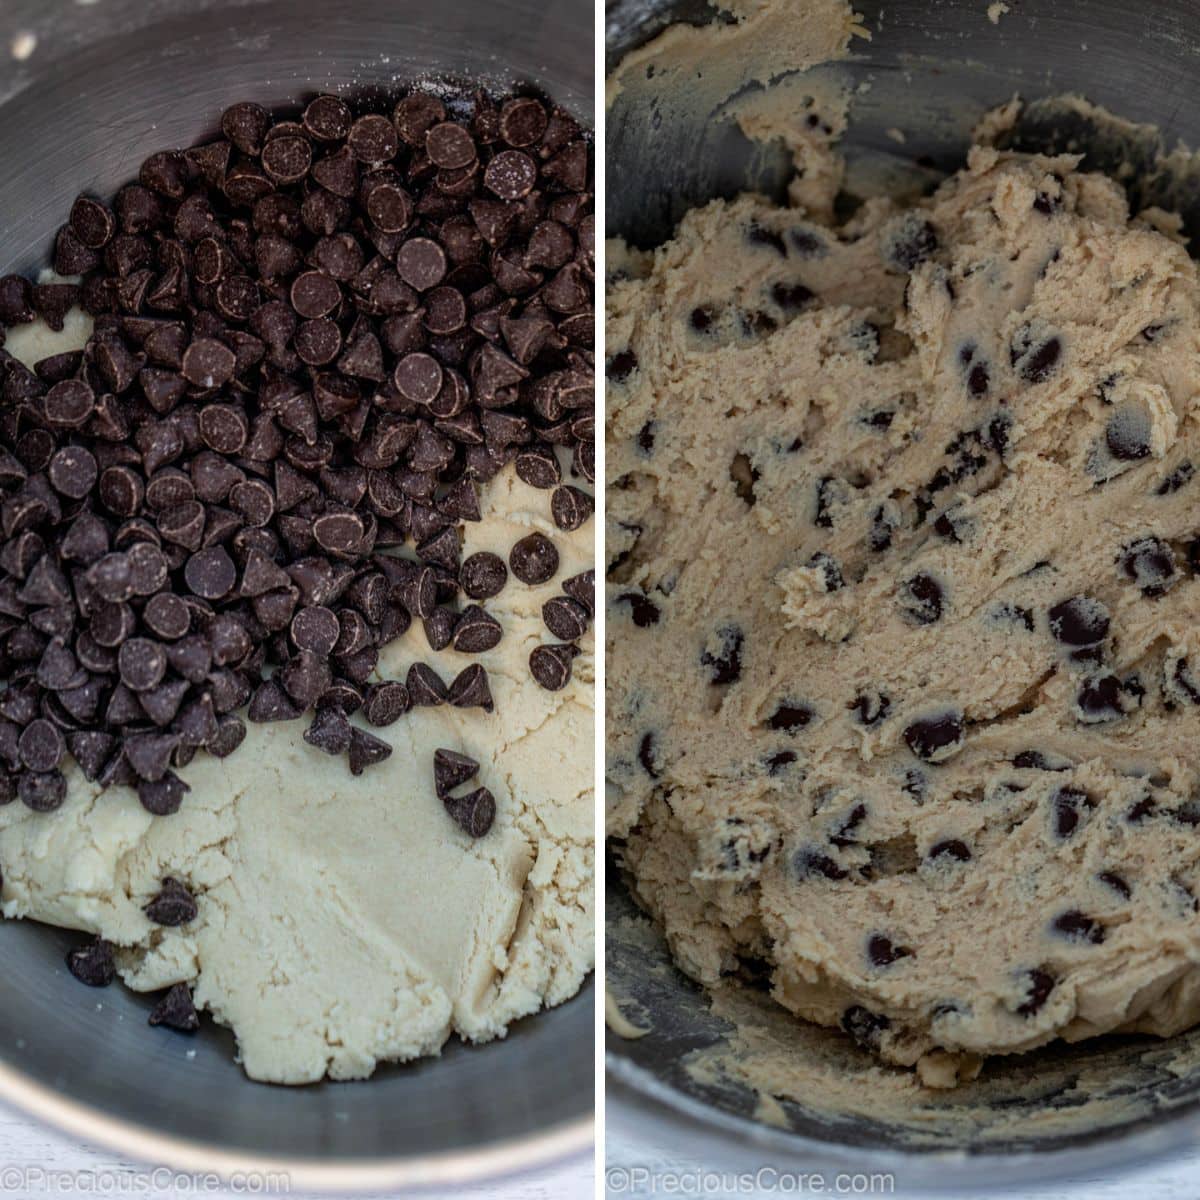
x: 902, y: 609
x: 347, y: 921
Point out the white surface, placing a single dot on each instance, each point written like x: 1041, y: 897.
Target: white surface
x: 30, y: 1154
x: 1179, y: 1182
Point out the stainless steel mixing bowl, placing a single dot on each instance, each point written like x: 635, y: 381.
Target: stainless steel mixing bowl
x: 933, y: 68
x: 104, y: 85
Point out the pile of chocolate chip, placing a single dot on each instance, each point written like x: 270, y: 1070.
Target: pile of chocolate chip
x: 313, y: 339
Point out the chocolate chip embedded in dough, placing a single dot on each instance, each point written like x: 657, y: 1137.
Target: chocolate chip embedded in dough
x: 1079, y: 621
x: 864, y: 1026
x: 1103, y: 696
x: 723, y: 655
x: 1078, y: 927
x: 474, y: 813
x: 173, y: 906
x: 790, y: 716
x: 883, y: 952
x: 950, y: 849
x: 1039, y: 983
x: 922, y: 598
x: 937, y: 737
x: 1150, y: 562
x: 1068, y: 805
x: 93, y: 963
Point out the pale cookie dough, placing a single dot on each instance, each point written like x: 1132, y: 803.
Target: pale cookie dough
x: 903, y: 609
x: 347, y: 921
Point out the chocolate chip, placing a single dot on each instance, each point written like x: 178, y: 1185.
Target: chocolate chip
x: 567, y: 619
x: 922, y: 598
x: 450, y: 769
x: 315, y: 628
x: 176, y: 1010
x: 1150, y: 563
x: 582, y: 588
x: 1079, y: 621
x: 173, y: 906
x: 1117, y: 883
x: 162, y: 797
x: 483, y: 575
x: 1068, y: 805
x: 1034, y: 358
x: 510, y: 175
x: 1040, y: 983
x: 42, y: 791
x: 474, y: 813
x: 327, y: 118
x: 93, y: 963
x: 789, y: 716
x: 469, y: 689
x: 951, y: 848
x: 372, y: 139
x: 551, y: 665
x: 208, y: 363
x: 425, y: 686
x: 643, y: 611
x: 210, y: 573
x: 937, y: 737
x: 864, y: 1026
x: 1105, y: 697
x: 1077, y: 927
x: 538, y: 466
x: 330, y: 730
x: 570, y: 507
x: 366, y: 750
x: 883, y: 952
x: 41, y: 746
x: 142, y: 664
x: 871, y: 708
x: 534, y: 559
x: 386, y: 702
x: 421, y: 263
x: 723, y: 656
x: 271, y: 703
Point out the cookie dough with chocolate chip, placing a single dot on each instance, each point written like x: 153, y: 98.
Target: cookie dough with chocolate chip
x: 903, y: 609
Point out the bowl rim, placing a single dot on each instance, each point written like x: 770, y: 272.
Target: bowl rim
x: 347, y: 1175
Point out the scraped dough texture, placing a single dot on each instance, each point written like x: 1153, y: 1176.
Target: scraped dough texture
x: 801, y: 430
x: 348, y: 921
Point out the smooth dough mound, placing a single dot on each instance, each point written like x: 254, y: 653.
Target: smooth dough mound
x: 903, y: 610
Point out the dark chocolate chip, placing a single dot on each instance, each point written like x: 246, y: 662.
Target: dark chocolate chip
x: 551, y: 665
x: 474, y: 813
x: 534, y: 559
